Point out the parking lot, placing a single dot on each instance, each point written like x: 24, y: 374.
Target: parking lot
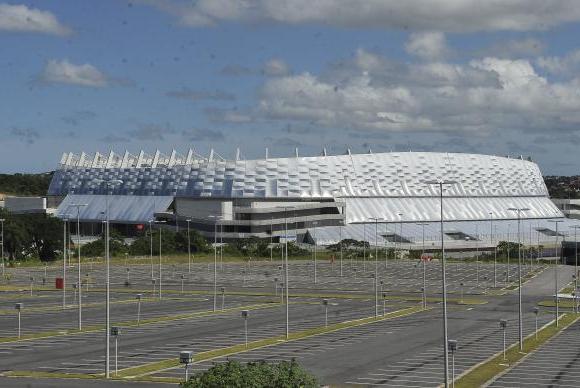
x: 555, y: 364
x: 399, y: 351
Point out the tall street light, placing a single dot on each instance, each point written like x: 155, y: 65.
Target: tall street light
x: 216, y: 218
x: 400, y: 236
x: 160, y: 222
x: 423, y: 224
x: 494, y: 250
x: 340, y: 242
x: 64, y: 253
x: 441, y: 183
x: 107, y: 183
x: 520, y: 316
x: 3, y: 263
x: 79, y: 206
x: 314, y: 223
x: 151, y: 245
x: 188, y: 246
x: 376, y: 220
x: 286, y: 208
x: 575, y: 227
x: 556, y: 272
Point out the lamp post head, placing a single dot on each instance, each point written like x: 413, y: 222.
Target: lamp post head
x: 139, y: 296
x: 115, y: 331
x: 245, y: 314
x: 185, y: 357
x: 452, y: 345
x: 18, y: 306
x: 503, y: 323
x: 325, y: 302
x: 536, y: 310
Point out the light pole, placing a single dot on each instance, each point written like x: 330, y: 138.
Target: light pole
x: 245, y: 314
x: 216, y: 218
x: 186, y: 358
x: 115, y: 333
x: 3, y: 263
x: 494, y: 250
x: 340, y: 242
x: 188, y: 246
x: 423, y: 224
x: 574, y: 293
x: 271, y: 232
x: 441, y: 183
x: 159, y: 285
x: 452, y: 346
x: 556, y: 288
x: 507, y: 279
x: 286, y: 279
x: 575, y: 265
x: 477, y: 253
x: 314, y: 223
x: 223, y: 297
x: 384, y: 303
x: 536, y: 312
x: 18, y: 307
x: 520, y: 314
x: 63, y: 261
x: 151, y: 244
x: 325, y: 304
x: 503, y: 326
x: 376, y: 220
x: 107, y: 272
x: 139, y: 296
x: 400, y: 236
x: 79, y: 206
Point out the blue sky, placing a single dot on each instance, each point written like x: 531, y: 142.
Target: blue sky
x: 439, y: 75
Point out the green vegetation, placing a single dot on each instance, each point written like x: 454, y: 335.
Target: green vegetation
x: 563, y: 186
x: 31, y: 236
x: 25, y: 184
x: 486, y: 371
x: 253, y: 374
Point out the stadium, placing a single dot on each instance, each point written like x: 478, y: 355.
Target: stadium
x: 382, y: 198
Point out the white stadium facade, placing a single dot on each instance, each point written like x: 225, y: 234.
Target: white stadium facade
x: 323, y: 198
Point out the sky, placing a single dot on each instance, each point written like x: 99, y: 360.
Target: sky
x: 495, y: 77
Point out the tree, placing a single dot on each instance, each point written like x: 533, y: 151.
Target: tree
x: 32, y: 235
x: 171, y: 242
x: 259, y: 374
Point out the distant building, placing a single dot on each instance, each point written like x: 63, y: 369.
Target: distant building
x: 569, y: 207
x: 337, y: 195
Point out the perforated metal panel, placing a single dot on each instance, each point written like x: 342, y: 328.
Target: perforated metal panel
x: 368, y: 175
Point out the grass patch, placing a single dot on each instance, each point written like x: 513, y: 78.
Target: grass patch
x: 486, y: 371
x: 142, y: 370
x: 564, y: 303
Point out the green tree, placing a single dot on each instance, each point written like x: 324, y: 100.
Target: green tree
x: 259, y: 374
x: 171, y: 242
x: 32, y: 236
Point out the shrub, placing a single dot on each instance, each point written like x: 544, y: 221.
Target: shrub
x: 233, y: 374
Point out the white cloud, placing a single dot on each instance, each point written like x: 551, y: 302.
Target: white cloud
x: 565, y: 65
x: 437, y: 15
x: 427, y: 45
x: 276, y: 68
x: 369, y: 92
x: 69, y: 73
x: 20, y: 18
